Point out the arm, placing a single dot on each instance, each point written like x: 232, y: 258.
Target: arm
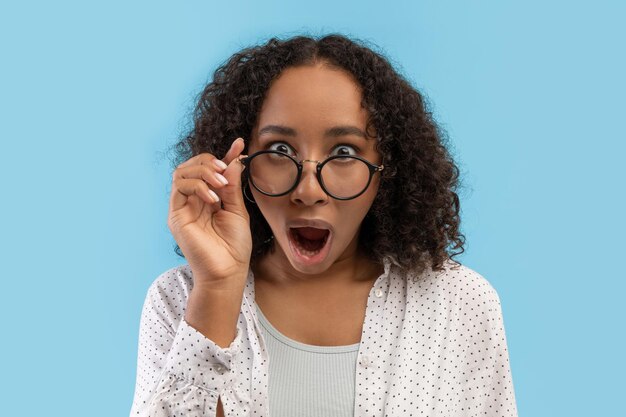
x: 179, y: 369
x: 210, y: 303
x: 488, y: 386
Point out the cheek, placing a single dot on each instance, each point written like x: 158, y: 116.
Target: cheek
x: 370, y: 195
x: 270, y: 207
x: 352, y: 214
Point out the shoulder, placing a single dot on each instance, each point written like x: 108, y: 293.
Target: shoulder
x: 473, y: 301
x: 469, y: 283
x: 459, y: 284
x: 467, y: 300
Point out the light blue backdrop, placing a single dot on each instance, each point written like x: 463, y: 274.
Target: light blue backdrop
x: 91, y: 95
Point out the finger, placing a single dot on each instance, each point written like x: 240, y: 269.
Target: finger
x: 183, y: 188
x: 231, y: 194
x: 204, y: 172
x: 207, y: 158
x: 236, y: 148
x: 204, y: 158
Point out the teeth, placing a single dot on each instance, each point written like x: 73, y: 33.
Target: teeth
x: 304, y: 251
x: 307, y: 253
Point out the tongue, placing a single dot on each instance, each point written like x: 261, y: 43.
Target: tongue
x: 311, y: 233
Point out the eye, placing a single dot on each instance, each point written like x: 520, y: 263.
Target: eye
x: 344, y: 150
x: 281, y: 147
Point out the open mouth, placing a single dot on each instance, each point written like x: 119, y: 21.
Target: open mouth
x: 309, y: 244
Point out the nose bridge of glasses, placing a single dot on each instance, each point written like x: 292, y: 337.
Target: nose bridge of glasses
x: 309, y: 160
x: 308, y: 180
x: 313, y: 170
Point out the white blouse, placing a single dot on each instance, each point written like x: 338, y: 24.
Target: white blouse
x: 432, y: 345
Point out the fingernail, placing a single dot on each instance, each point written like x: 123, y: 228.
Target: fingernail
x: 221, y: 178
x: 241, y: 163
x: 233, y: 144
x: 214, y: 196
x: 220, y: 164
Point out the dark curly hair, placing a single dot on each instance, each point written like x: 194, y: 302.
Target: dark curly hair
x: 414, y: 218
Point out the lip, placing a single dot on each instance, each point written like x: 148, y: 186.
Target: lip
x: 316, y: 223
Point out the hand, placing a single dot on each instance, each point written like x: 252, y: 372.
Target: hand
x: 213, y: 234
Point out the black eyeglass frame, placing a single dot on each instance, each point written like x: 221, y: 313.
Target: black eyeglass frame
x: 372, y: 170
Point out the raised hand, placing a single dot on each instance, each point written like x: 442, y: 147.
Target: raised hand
x: 209, y: 220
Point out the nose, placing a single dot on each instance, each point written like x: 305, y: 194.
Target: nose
x: 309, y: 191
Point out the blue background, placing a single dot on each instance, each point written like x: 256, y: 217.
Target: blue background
x: 92, y: 95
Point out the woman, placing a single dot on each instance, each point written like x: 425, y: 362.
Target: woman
x: 319, y: 280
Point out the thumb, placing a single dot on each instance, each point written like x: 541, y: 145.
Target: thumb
x: 231, y: 195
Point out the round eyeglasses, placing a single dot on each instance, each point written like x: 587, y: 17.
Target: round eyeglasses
x: 342, y: 177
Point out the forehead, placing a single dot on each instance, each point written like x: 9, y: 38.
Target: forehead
x: 311, y: 100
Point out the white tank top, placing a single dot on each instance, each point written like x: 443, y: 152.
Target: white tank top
x: 308, y: 380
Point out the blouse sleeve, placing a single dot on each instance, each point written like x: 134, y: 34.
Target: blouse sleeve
x: 180, y: 372
x: 487, y: 389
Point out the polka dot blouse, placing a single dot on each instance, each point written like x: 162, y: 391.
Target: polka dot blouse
x: 432, y: 345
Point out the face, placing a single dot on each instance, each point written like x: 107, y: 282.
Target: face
x: 310, y: 100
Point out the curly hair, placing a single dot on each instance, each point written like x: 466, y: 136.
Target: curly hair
x: 414, y: 218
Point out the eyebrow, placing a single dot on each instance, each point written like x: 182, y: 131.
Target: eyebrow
x: 333, y: 132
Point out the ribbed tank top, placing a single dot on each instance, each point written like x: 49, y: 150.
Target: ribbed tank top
x: 308, y: 380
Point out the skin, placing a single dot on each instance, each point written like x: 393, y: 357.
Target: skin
x: 310, y: 100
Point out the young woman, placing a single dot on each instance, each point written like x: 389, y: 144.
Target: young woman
x: 319, y: 279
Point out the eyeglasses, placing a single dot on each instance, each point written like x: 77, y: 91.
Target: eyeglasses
x: 342, y: 177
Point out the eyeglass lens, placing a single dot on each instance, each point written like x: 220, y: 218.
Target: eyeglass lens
x: 276, y: 174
